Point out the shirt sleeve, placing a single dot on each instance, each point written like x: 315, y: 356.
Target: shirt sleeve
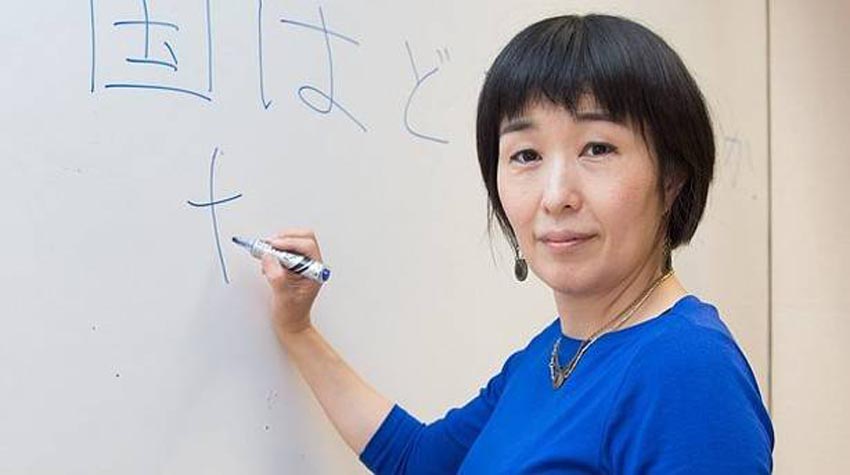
x: 688, y: 405
x: 405, y: 446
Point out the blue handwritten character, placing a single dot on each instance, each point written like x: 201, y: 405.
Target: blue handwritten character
x: 319, y: 100
x: 156, y: 61
x: 420, y: 80
x: 211, y: 204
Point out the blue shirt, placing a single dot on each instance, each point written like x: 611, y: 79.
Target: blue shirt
x: 671, y: 395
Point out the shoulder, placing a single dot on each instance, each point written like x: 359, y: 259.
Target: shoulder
x: 693, y: 345
x: 518, y: 357
x: 540, y: 341
x: 689, y: 378
x: 689, y: 400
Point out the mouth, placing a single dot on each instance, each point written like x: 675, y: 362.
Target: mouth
x: 566, y: 243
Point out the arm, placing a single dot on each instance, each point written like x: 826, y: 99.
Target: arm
x: 387, y: 438
x: 403, y: 445
x: 354, y: 407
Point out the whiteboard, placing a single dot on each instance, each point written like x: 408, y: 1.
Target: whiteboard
x: 134, y: 342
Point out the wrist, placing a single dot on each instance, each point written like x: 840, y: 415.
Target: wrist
x: 290, y: 334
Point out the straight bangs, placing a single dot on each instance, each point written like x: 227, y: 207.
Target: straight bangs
x: 559, y: 63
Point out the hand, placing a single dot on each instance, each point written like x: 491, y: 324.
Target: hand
x: 293, y: 294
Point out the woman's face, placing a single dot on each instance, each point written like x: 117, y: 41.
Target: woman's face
x: 581, y: 194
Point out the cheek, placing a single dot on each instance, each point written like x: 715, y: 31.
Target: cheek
x: 517, y: 201
x: 629, y: 211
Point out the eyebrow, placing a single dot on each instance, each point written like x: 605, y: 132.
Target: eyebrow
x: 524, y: 123
x: 595, y: 115
x: 516, y: 125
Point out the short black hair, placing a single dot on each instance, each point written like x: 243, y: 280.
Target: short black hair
x: 632, y: 74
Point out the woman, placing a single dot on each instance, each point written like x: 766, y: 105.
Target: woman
x: 597, y: 153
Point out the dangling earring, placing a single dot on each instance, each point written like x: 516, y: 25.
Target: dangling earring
x: 520, y: 266
x: 667, y: 250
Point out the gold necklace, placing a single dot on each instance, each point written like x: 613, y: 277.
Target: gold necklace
x: 559, y: 374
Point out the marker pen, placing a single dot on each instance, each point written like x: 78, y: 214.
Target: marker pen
x: 297, y: 263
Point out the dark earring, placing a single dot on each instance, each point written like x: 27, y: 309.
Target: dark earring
x: 520, y: 266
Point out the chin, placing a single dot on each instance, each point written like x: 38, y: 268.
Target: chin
x: 566, y: 280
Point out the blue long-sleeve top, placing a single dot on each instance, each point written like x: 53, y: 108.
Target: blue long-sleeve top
x: 671, y: 395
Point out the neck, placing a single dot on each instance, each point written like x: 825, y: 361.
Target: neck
x: 583, y: 314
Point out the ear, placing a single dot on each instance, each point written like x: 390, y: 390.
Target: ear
x: 672, y: 186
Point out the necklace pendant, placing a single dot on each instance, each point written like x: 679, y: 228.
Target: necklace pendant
x: 558, y: 380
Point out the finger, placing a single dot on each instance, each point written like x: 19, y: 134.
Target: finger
x: 278, y: 276
x: 272, y: 269
x: 304, y: 246
x: 294, y: 240
x: 296, y: 232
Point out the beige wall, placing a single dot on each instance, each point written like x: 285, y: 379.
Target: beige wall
x: 810, y: 137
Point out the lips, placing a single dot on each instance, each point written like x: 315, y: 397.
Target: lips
x: 564, y: 236
x: 565, y: 241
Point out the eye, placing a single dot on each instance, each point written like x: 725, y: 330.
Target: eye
x: 524, y: 156
x: 598, y: 149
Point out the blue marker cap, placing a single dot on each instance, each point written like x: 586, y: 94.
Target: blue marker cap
x: 326, y: 274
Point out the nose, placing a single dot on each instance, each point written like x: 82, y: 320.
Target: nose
x: 562, y: 189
